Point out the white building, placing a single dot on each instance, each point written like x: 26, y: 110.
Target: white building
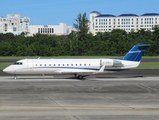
x: 15, y: 24
x: 61, y: 29
x: 128, y: 22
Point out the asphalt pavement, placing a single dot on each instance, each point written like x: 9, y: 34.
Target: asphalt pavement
x: 71, y: 99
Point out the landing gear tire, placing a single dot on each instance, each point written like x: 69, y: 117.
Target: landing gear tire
x: 80, y: 77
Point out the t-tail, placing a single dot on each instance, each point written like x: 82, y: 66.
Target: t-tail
x: 136, y: 52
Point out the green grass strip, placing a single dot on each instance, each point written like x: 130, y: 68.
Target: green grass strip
x: 31, y: 57
x: 148, y: 65
x: 4, y: 65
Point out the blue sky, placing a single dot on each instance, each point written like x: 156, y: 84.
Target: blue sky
x: 52, y: 12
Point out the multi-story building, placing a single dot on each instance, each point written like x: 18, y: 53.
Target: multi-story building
x: 61, y: 29
x: 15, y: 24
x: 128, y: 22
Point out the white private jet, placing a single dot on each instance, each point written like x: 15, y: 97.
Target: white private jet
x: 78, y: 67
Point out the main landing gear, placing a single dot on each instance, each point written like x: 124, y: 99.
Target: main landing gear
x: 79, y: 76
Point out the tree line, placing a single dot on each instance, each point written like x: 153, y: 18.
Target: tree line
x: 79, y: 42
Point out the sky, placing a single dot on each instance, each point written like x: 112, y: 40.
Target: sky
x: 53, y: 12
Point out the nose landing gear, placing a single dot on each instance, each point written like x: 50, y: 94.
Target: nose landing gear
x: 15, y: 76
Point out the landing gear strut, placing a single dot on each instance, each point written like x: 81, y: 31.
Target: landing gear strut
x: 15, y: 76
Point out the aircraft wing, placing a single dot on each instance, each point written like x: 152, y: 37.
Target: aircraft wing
x: 101, y: 69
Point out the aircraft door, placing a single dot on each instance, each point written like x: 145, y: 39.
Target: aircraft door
x: 30, y: 65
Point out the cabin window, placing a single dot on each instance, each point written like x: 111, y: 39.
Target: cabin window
x: 80, y: 64
x: 67, y: 64
x: 58, y: 64
x: 71, y: 64
x: 76, y: 64
x: 63, y: 64
x: 49, y: 64
x: 40, y: 64
x: 54, y: 64
x: 84, y: 64
x: 45, y: 64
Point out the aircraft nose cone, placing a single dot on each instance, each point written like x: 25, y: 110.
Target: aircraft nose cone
x: 4, y: 70
x: 7, y: 70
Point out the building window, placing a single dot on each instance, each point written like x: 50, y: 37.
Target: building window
x: 38, y: 30
x: 47, y: 30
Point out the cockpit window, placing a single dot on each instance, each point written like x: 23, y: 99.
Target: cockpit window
x: 18, y: 63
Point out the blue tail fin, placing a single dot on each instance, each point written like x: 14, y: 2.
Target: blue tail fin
x: 136, y: 52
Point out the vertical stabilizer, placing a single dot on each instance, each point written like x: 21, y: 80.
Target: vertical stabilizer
x: 136, y: 52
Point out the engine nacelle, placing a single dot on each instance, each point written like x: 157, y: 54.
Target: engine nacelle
x: 108, y: 62
x: 112, y: 63
x: 117, y: 63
